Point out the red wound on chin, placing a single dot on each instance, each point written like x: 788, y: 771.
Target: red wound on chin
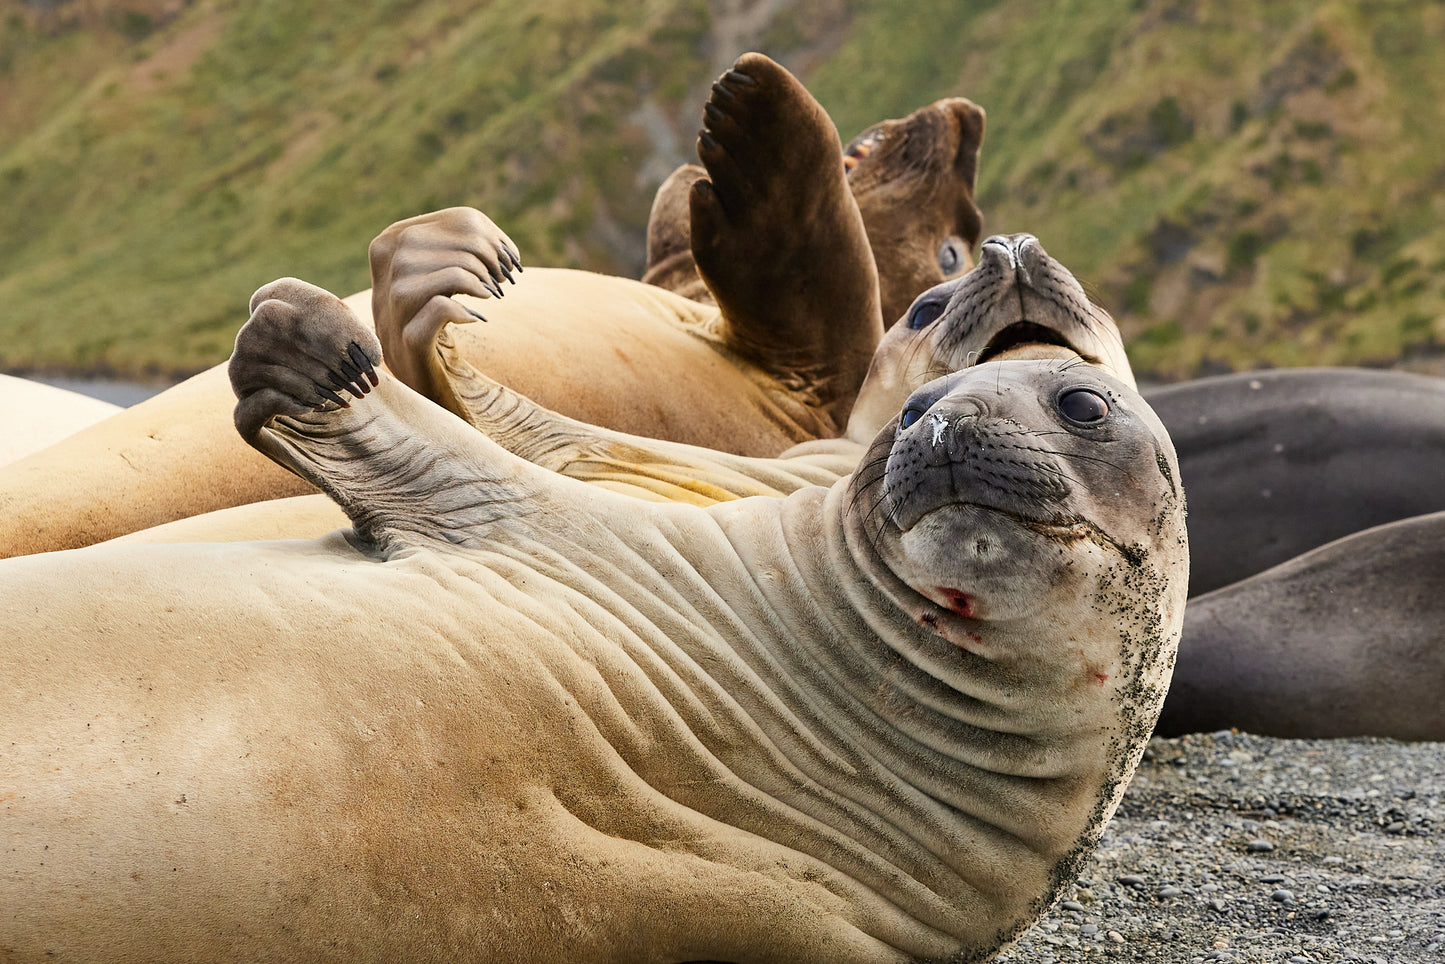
x: 957, y: 601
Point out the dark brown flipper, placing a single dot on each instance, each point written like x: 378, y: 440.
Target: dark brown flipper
x: 779, y: 239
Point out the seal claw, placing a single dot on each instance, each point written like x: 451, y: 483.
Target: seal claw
x: 331, y: 396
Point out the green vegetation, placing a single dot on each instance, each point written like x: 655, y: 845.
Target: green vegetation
x: 1241, y: 183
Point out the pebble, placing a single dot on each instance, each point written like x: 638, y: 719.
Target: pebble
x: 1272, y: 879
x: 1132, y: 880
x: 1116, y: 937
x: 1168, y: 892
x: 1259, y: 846
x: 1089, y: 930
x: 1283, y: 896
x: 1072, y: 905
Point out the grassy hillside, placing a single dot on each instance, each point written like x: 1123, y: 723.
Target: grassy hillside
x: 1242, y: 183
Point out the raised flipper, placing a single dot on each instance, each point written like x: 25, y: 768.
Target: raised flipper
x: 404, y: 470
x: 634, y: 465
x: 778, y: 237
x: 417, y: 265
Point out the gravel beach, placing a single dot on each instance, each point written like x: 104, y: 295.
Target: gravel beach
x: 1231, y: 847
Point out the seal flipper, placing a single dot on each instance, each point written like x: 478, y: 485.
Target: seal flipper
x: 779, y: 239
x: 641, y: 467
x: 404, y: 470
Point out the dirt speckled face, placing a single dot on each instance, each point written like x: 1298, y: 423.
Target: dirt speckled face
x: 995, y: 486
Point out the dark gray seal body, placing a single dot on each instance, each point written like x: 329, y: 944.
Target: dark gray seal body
x: 1345, y: 640
x: 1280, y: 462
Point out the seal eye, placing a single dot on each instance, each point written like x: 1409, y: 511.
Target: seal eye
x: 924, y: 315
x: 1083, y: 406
x: 950, y: 256
x: 911, y: 414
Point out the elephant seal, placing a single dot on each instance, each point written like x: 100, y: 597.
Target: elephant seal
x: 913, y: 180
x: 1347, y: 639
x: 1281, y: 462
x: 977, y: 318
x: 597, y: 347
x: 884, y: 721
x: 37, y: 415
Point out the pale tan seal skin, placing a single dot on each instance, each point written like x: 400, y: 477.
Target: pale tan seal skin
x: 36, y: 415
x: 584, y: 727
x: 776, y: 235
x: 172, y: 456
x: 978, y: 319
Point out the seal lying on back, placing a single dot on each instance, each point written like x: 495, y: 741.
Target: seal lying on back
x: 520, y: 717
x: 1016, y: 303
x: 607, y: 350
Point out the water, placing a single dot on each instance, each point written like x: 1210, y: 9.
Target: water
x: 123, y: 394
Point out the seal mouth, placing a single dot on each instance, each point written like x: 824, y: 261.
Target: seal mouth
x: 860, y: 147
x: 1022, y: 333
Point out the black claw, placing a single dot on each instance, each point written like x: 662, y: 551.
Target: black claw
x: 359, y: 359
x: 331, y: 396
x: 475, y: 314
x: 337, y: 382
x: 354, y: 381
x: 722, y: 93
x: 705, y: 139
x: 493, y: 287
x: 502, y: 264
x: 740, y: 78
x: 714, y: 115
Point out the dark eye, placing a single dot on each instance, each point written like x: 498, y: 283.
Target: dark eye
x: 925, y: 314
x: 1083, y: 406
x: 950, y: 256
x: 911, y: 414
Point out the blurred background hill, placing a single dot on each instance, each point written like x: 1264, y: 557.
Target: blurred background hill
x: 1241, y: 183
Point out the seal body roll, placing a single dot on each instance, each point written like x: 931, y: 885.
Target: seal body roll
x: 515, y: 716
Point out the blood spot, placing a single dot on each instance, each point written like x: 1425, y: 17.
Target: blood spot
x: 957, y: 601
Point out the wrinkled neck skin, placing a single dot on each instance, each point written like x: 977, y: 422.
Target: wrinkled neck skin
x: 949, y: 793
x: 940, y: 777
x: 1020, y: 733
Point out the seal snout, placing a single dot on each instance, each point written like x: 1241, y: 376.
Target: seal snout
x: 1020, y: 253
x: 965, y: 446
